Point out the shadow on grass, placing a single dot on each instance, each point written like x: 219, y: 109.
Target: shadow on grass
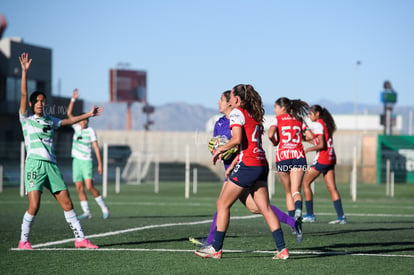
x: 160, y: 216
x: 160, y: 241
x: 355, y: 230
x: 358, y: 248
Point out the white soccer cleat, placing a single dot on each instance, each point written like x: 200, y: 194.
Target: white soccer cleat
x: 339, y: 220
x: 209, y: 252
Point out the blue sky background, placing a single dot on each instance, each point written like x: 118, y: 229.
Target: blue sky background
x: 194, y: 50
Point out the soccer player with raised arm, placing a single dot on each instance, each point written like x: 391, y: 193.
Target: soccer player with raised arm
x: 84, y: 139
x: 40, y: 166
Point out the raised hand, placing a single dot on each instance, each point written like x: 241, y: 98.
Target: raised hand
x: 25, y: 61
x: 96, y: 111
x: 75, y: 94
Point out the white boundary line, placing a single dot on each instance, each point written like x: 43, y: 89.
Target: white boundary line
x: 224, y: 250
x: 40, y: 247
x: 201, y: 203
x: 112, y: 233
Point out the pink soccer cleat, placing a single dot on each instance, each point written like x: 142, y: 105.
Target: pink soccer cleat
x: 85, y: 244
x: 25, y: 245
x: 282, y: 255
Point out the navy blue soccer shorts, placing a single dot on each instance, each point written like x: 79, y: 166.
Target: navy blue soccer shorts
x: 288, y: 164
x: 247, y: 176
x: 323, y: 168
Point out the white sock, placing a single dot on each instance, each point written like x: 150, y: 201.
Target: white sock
x: 101, y: 203
x: 85, y: 207
x: 74, y: 224
x: 26, y: 225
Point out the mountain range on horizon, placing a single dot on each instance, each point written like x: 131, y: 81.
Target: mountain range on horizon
x: 181, y: 116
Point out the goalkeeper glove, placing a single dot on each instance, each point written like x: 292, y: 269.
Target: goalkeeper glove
x: 212, y: 143
x: 229, y: 153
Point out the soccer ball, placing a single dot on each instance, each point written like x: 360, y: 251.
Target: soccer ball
x: 221, y: 140
x: 218, y: 141
x: 215, y: 142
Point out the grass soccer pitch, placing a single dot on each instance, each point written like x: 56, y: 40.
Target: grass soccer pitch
x: 147, y: 233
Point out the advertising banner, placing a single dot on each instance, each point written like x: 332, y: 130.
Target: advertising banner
x: 399, y: 150
x: 128, y: 86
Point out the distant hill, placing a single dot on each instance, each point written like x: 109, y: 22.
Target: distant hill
x: 180, y: 116
x: 169, y: 117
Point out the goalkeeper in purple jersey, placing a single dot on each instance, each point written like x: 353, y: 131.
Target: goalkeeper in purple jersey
x: 222, y: 129
x: 222, y: 126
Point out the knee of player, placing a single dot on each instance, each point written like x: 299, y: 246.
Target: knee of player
x: 90, y: 187
x: 221, y: 205
x: 254, y: 210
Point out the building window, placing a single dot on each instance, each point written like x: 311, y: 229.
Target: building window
x: 13, y: 88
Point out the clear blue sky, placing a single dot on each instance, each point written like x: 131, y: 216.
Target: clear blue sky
x: 194, y: 50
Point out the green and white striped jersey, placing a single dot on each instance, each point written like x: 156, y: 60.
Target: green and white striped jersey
x: 82, y: 142
x: 38, y: 136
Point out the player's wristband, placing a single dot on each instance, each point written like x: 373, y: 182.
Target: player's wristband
x: 72, y: 99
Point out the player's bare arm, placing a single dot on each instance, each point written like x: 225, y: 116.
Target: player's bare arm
x: 320, y: 145
x: 309, y: 135
x: 25, y: 64
x: 75, y: 95
x: 271, y: 135
x: 95, y: 111
x: 228, y: 171
x: 98, y: 156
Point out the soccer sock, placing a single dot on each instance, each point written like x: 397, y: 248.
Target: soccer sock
x: 291, y: 213
x: 283, y: 217
x: 309, y: 207
x: 74, y: 224
x: 338, y: 207
x: 218, y: 240
x: 85, y: 207
x: 298, y: 208
x: 26, y: 225
x: 210, y: 237
x: 99, y: 200
x: 279, y: 240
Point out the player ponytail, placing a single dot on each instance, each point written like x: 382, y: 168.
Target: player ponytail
x: 326, y: 116
x: 295, y: 107
x: 251, y: 101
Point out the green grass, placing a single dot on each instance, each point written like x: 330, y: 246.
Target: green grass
x: 379, y: 236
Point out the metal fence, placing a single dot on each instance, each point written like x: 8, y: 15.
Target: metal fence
x: 170, y: 150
